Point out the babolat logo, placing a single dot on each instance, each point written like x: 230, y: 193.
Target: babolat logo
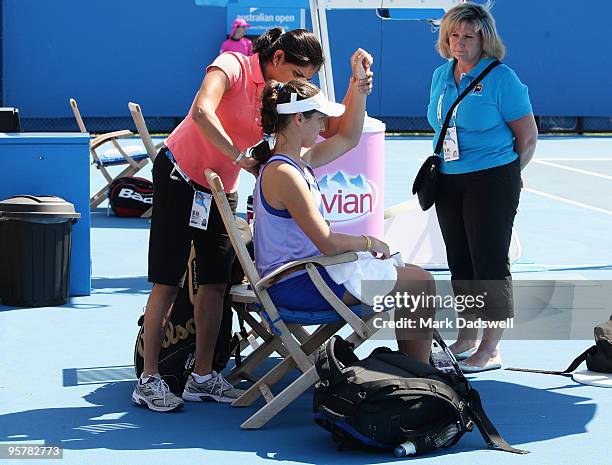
x: 127, y: 193
x: 347, y: 198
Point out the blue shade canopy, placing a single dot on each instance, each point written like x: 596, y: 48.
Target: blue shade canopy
x: 256, y: 3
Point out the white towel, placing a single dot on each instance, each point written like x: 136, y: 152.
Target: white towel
x: 380, y: 274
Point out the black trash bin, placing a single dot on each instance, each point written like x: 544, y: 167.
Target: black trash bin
x: 35, y: 245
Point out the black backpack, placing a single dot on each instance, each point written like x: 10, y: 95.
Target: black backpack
x: 387, y: 399
x: 597, y: 357
x: 130, y: 196
x: 177, y: 354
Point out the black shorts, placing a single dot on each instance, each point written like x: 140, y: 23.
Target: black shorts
x: 171, y: 236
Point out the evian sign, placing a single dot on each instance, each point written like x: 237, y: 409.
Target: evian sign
x: 347, y: 198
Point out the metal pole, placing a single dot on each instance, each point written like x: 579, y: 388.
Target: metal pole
x: 316, y: 29
x: 329, y: 75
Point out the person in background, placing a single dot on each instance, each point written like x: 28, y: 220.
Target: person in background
x: 495, y: 136
x: 221, y: 124
x: 236, y: 41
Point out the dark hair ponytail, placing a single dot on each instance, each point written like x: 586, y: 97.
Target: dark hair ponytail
x: 273, y: 123
x: 264, y: 42
x: 301, y: 47
x: 269, y: 120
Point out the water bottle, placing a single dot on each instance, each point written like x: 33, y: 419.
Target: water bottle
x: 249, y: 208
x: 404, y: 449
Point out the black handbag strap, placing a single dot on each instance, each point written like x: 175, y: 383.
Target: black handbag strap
x: 468, y: 89
x: 568, y: 371
x: 488, y: 431
x: 483, y: 423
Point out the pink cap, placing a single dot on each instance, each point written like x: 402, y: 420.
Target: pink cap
x: 238, y: 22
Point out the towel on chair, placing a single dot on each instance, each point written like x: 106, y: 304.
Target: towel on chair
x: 380, y: 274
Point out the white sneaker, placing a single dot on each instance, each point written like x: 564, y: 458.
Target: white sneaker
x: 216, y: 388
x: 155, y: 394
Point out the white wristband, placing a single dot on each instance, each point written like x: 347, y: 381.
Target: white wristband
x: 238, y: 158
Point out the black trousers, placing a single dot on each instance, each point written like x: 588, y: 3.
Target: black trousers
x: 171, y: 236
x: 476, y: 213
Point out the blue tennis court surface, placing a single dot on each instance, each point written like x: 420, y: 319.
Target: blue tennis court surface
x: 66, y: 372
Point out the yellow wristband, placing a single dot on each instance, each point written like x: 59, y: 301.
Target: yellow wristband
x: 368, y: 246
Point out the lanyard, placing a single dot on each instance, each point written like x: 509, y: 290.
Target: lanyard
x: 440, y: 105
x: 178, y: 170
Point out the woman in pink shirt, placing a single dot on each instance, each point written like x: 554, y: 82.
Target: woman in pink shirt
x: 222, y: 123
x: 236, y: 42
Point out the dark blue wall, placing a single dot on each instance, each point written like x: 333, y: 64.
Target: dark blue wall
x: 108, y: 52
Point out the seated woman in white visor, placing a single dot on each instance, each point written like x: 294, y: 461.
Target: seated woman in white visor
x: 289, y: 222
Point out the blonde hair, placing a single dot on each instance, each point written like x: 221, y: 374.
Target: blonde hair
x: 479, y: 16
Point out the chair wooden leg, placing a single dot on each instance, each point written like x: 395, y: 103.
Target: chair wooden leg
x: 256, y: 326
x: 254, y: 359
x: 98, y: 197
x: 300, y: 333
x: 249, y: 341
x: 282, y: 400
x: 102, y: 194
x: 269, y: 379
x: 322, y: 334
x: 295, y: 389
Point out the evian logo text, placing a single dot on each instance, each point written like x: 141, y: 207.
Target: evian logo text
x: 347, y: 198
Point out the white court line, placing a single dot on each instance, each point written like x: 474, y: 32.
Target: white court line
x: 575, y: 170
x: 573, y: 159
x: 571, y: 202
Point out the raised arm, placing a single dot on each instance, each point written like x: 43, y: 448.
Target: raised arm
x: 350, y: 125
x: 213, y: 87
x: 364, y: 86
x: 284, y: 188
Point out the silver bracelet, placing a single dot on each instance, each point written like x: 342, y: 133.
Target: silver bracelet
x: 238, y: 158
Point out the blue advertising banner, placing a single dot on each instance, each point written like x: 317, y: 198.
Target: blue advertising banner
x: 262, y: 19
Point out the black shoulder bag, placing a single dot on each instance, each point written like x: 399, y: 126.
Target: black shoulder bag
x: 425, y: 184
x: 598, y: 357
x: 388, y: 398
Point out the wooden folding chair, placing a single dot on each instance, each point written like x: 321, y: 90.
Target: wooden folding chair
x: 300, y: 345
x: 143, y: 131
x: 135, y: 161
x: 145, y: 136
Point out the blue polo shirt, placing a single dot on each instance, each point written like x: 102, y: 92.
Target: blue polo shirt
x: 485, y: 139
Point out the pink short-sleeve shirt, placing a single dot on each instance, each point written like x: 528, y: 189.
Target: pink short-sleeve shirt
x: 244, y: 46
x: 238, y: 112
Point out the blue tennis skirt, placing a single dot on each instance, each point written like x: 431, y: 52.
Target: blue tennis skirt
x: 299, y: 293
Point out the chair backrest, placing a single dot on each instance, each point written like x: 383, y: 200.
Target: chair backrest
x: 143, y: 131
x: 216, y: 186
x: 77, y: 115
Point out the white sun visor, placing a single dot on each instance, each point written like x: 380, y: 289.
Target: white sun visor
x: 318, y: 102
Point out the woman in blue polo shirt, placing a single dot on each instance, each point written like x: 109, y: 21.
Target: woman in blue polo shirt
x: 491, y: 138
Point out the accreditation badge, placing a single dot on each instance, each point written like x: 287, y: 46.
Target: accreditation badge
x: 200, y: 210
x: 451, y: 145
